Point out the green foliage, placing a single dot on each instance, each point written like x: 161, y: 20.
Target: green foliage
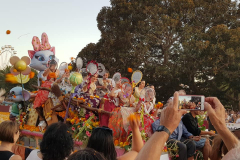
x: 194, y: 42
x: 201, y: 119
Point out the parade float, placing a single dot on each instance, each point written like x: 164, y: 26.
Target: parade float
x: 59, y: 96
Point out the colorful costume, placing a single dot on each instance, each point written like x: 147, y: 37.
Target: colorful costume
x: 137, y: 94
x: 147, y: 118
x: 110, y: 103
x: 118, y: 122
x: 42, y: 95
x: 88, y: 94
x: 102, y: 92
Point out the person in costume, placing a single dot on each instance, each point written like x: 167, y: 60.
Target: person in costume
x: 118, y: 122
x: 87, y: 90
x: 110, y: 102
x: 103, y: 85
x: 138, y: 90
x: 51, y: 73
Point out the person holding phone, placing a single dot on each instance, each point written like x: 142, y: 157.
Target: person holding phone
x: 191, y: 122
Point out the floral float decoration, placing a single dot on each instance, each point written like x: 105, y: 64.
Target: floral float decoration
x: 159, y: 105
x: 20, y: 66
x: 8, y: 32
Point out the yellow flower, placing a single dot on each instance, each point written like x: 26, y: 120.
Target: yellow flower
x: 121, y: 144
x: 90, y: 127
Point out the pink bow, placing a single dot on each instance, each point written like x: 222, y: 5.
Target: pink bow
x: 37, y: 46
x: 141, y: 99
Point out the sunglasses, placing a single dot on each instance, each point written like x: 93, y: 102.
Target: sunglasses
x: 103, y: 128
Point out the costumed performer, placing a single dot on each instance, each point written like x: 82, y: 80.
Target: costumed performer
x: 138, y: 90
x: 103, y: 85
x: 118, y: 122
x: 87, y: 90
x: 111, y: 101
x: 51, y: 73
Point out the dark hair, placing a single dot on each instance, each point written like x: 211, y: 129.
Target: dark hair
x: 87, y: 154
x: 7, y: 131
x: 141, y: 82
x: 57, y: 142
x: 101, y: 140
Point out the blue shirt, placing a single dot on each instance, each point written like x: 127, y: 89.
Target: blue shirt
x: 178, y: 133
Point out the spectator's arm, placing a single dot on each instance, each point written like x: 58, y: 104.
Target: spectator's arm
x: 137, y: 142
x: 153, y: 148
x: 170, y: 118
x: 216, y: 113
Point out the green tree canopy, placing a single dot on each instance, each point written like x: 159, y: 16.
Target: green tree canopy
x: 194, y: 42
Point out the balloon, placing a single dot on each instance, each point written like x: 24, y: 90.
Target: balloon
x: 20, y: 65
x: 75, y: 78
x: 8, y: 32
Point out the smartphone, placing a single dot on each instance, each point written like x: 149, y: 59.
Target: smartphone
x: 191, y: 102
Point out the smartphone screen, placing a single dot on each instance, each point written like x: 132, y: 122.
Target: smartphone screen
x: 191, y: 102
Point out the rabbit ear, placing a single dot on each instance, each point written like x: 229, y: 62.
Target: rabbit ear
x: 45, y: 43
x: 36, y: 43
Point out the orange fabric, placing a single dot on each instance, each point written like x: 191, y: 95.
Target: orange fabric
x: 116, y: 124
x: 19, y: 150
x: 42, y: 95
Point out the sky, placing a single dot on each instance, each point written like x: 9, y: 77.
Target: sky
x: 69, y: 24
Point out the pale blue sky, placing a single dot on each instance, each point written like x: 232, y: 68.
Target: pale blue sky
x: 69, y: 24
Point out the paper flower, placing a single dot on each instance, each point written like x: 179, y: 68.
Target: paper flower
x: 52, y: 75
x: 31, y: 75
x: 134, y: 116
x: 130, y: 70
x: 20, y: 65
x: 8, y: 32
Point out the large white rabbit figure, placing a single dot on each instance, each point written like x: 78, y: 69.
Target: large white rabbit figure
x: 41, y: 55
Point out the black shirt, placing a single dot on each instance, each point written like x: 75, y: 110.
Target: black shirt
x: 191, y: 124
x: 5, y: 155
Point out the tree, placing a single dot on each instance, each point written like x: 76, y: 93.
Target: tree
x: 168, y: 40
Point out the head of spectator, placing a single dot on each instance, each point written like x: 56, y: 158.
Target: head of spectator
x: 57, y: 142
x: 9, y: 134
x: 86, y: 154
x: 101, y: 140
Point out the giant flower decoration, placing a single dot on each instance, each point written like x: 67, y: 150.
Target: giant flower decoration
x: 20, y: 65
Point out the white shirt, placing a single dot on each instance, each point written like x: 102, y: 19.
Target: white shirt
x: 33, y: 155
x: 238, y: 120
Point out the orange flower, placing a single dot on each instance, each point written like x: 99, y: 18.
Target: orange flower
x: 14, y: 96
x: 43, y: 105
x: 8, y: 32
x: 130, y: 70
x: 133, y: 117
x: 14, y: 70
x: 31, y: 75
x: 43, y: 81
x: 52, y: 75
x: 116, y: 142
